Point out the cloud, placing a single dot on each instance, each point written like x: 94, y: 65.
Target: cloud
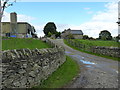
x: 20, y: 18
x: 102, y: 20
x: 93, y: 28
x: 39, y: 29
x: 25, y: 18
x: 6, y: 17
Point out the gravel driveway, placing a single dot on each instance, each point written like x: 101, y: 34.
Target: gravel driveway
x: 95, y: 72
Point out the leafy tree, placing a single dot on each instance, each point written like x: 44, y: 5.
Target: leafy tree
x: 85, y: 37
x: 58, y: 34
x: 50, y: 27
x: 91, y: 38
x: 49, y: 34
x: 105, y: 35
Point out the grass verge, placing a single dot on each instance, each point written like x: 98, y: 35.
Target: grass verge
x: 62, y: 76
x: 99, y: 43
x: 19, y: 43
x: 113, y: 58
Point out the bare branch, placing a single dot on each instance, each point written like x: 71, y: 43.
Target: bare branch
x: 4, y: 5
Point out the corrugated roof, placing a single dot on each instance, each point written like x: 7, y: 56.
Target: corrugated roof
x: 76, y: 32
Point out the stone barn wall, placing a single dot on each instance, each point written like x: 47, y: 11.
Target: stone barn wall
x: 26, y: 68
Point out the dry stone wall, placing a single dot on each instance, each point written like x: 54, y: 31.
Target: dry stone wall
x: 26, y: 68
x: 102, y: 50
x: 108, y: 51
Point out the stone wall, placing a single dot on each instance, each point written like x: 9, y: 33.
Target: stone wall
x: 26, y: 68
x: 108, y: 51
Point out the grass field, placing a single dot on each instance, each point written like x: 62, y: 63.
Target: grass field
x: 99, y: 43
x: 113, y: 58
x: 17, y: 43
x: 64, y: 74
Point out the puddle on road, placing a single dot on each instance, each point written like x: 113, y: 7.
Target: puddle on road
x: 67, y: 52
x: 82, y: 59
x: 86, y: 62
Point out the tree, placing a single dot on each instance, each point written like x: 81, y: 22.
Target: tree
x: 70, y: 36
x: 49, y: 34
x: 85, y: 37
x: 4, y: 4
x: 50, y: 27
x: 105, y: 35
x: 58, y: 34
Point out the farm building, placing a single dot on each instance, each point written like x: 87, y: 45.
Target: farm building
x: 17, y: 29
x: 77, y: 34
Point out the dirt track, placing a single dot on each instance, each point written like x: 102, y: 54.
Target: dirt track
x: 95, y: 72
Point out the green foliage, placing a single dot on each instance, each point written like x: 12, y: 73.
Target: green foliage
x: 98, y: 42
x: 70, y: 36
x: 17, y: 43
x: 62, y: 76
x: 105, y: 35
x: 50, y: 27
x: 85, y: 37
x: 49, y: 34
x: 58, y: 34
x: 117, y: 38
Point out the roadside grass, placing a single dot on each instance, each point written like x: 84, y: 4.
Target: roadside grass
x: 62, y: 76
x: 113, y: 58
x: 99, y: 42
x: 20, y: 43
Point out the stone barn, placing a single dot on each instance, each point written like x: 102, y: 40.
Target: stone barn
x: 17, y: 29
x: 77, y: 34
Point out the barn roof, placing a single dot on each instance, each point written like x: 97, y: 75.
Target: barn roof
x: 77, y: 32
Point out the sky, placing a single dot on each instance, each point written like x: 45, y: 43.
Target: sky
x: 90, y: 17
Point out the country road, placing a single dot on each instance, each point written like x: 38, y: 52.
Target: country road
x: 95, y: 72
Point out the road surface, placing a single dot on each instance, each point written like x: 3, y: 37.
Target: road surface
x: 95, y: 71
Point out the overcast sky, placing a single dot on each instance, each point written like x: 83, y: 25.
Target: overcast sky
x: 90, y: 17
